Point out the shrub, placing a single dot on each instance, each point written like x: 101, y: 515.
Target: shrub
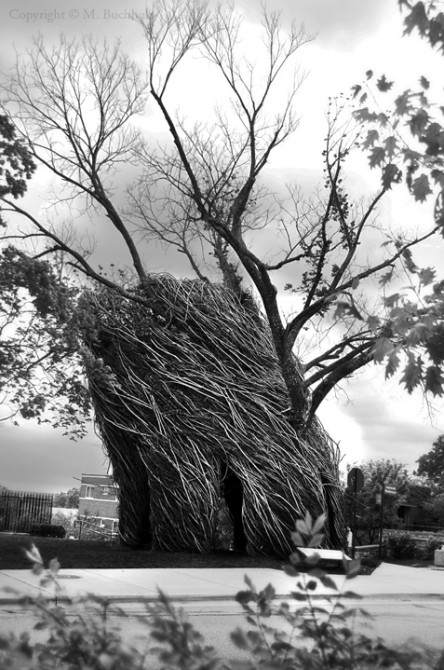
x: 400, y: 546
x: 47, y: 530
x: 310, y: 636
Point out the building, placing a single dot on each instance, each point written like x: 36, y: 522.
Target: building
x: 98, y: 500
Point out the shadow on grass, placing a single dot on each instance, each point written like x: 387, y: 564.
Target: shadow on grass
x: 100, y: 554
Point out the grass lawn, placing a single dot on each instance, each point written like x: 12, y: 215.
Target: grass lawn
x: 87, y: 554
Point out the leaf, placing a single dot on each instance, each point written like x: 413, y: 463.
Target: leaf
x: 356, y: 90
x: 313, y: 559
x: 373, y: 323
x: 427, y: 276
x: 377, y: 156
x: 372, y: 137
x: 402, y: 103
x: 418, y: 122
x: 319, y: 523
x: 391, y: 174
x: 311, y: 585
x: 363, y: 115
x: 424, y: 82
x: 416, y: 19
x: 351, y: 594
x: 421, y: 188
x: 369, y: 74
x: 316, y: 539
x: 434, y: 380
x: 436, y: 32
x: 328, y: 582
x: 438, y: 177
x: 302, y: 527
x: 382, y: 118
x: 290, y: 570
x: 435, y: 346
x: 240, y: 639
x: 244, y: 597
x: 383, y: 346
x: 392, y: 363
x: 408, y: 260
x: 297, y: 595
x: 413, y: 374
x: 390, y: 145
x: 391, y: 300
x: 383, y: 84
x: 434, y: 138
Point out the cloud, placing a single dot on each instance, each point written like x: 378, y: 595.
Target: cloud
x: 393, y: 424
x: 340, y: 24
x: 40, y: 459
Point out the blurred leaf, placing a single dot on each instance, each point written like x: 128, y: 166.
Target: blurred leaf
x: 427, y: 276
x: 434, y: 380
x: 319, y: 523
x: 393, y: 361
x: 421, y: 188
x: 383, y: 84
x: 297, y: 539
x: 291, y: 570
x: 299, y: 595
x: 372, y: 137
x: 316, y: 540
x: 391, y: 174
x: 382, y: 347
x: 418, y: 122
x: 377, y: 156
x: 403, y: 105
x: 413, y: 373
x: 240, y: 639
x: 302, y: 527
x: 328, y: 582
x: 416, y: 19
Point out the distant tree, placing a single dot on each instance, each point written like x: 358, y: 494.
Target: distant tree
x: 68, y: 498
x: 431, y: 464
x: 435, y: 507
x: 378, y: 474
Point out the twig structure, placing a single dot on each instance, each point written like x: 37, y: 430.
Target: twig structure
x: 192, y: 409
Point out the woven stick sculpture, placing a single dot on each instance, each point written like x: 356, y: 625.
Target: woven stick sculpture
x: 190, y: 403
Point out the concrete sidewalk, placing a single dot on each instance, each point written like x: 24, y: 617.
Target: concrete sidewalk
x: 181, y: 584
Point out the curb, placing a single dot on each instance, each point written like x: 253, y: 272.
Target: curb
x: 63, y: 599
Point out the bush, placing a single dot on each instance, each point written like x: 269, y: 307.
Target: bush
x: 308, y: 637
x: 400, y: 546
x: 47, y: 530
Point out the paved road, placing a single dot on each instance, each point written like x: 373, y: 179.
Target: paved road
x: 396, y: 621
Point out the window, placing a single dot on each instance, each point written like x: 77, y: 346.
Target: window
x: 89, y: 491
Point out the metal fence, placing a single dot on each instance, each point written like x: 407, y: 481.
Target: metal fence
x: 20, y: 510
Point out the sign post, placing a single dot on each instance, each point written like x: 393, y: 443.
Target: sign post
x: 355, y: 483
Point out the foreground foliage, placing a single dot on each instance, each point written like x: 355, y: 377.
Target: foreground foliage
x: 303, y: 634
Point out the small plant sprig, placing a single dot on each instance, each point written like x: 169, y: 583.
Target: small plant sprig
x: 319, y: 632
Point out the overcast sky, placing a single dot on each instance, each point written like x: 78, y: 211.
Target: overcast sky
x: 369, y: 417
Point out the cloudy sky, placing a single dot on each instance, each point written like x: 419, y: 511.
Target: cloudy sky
x: 369, y: 417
